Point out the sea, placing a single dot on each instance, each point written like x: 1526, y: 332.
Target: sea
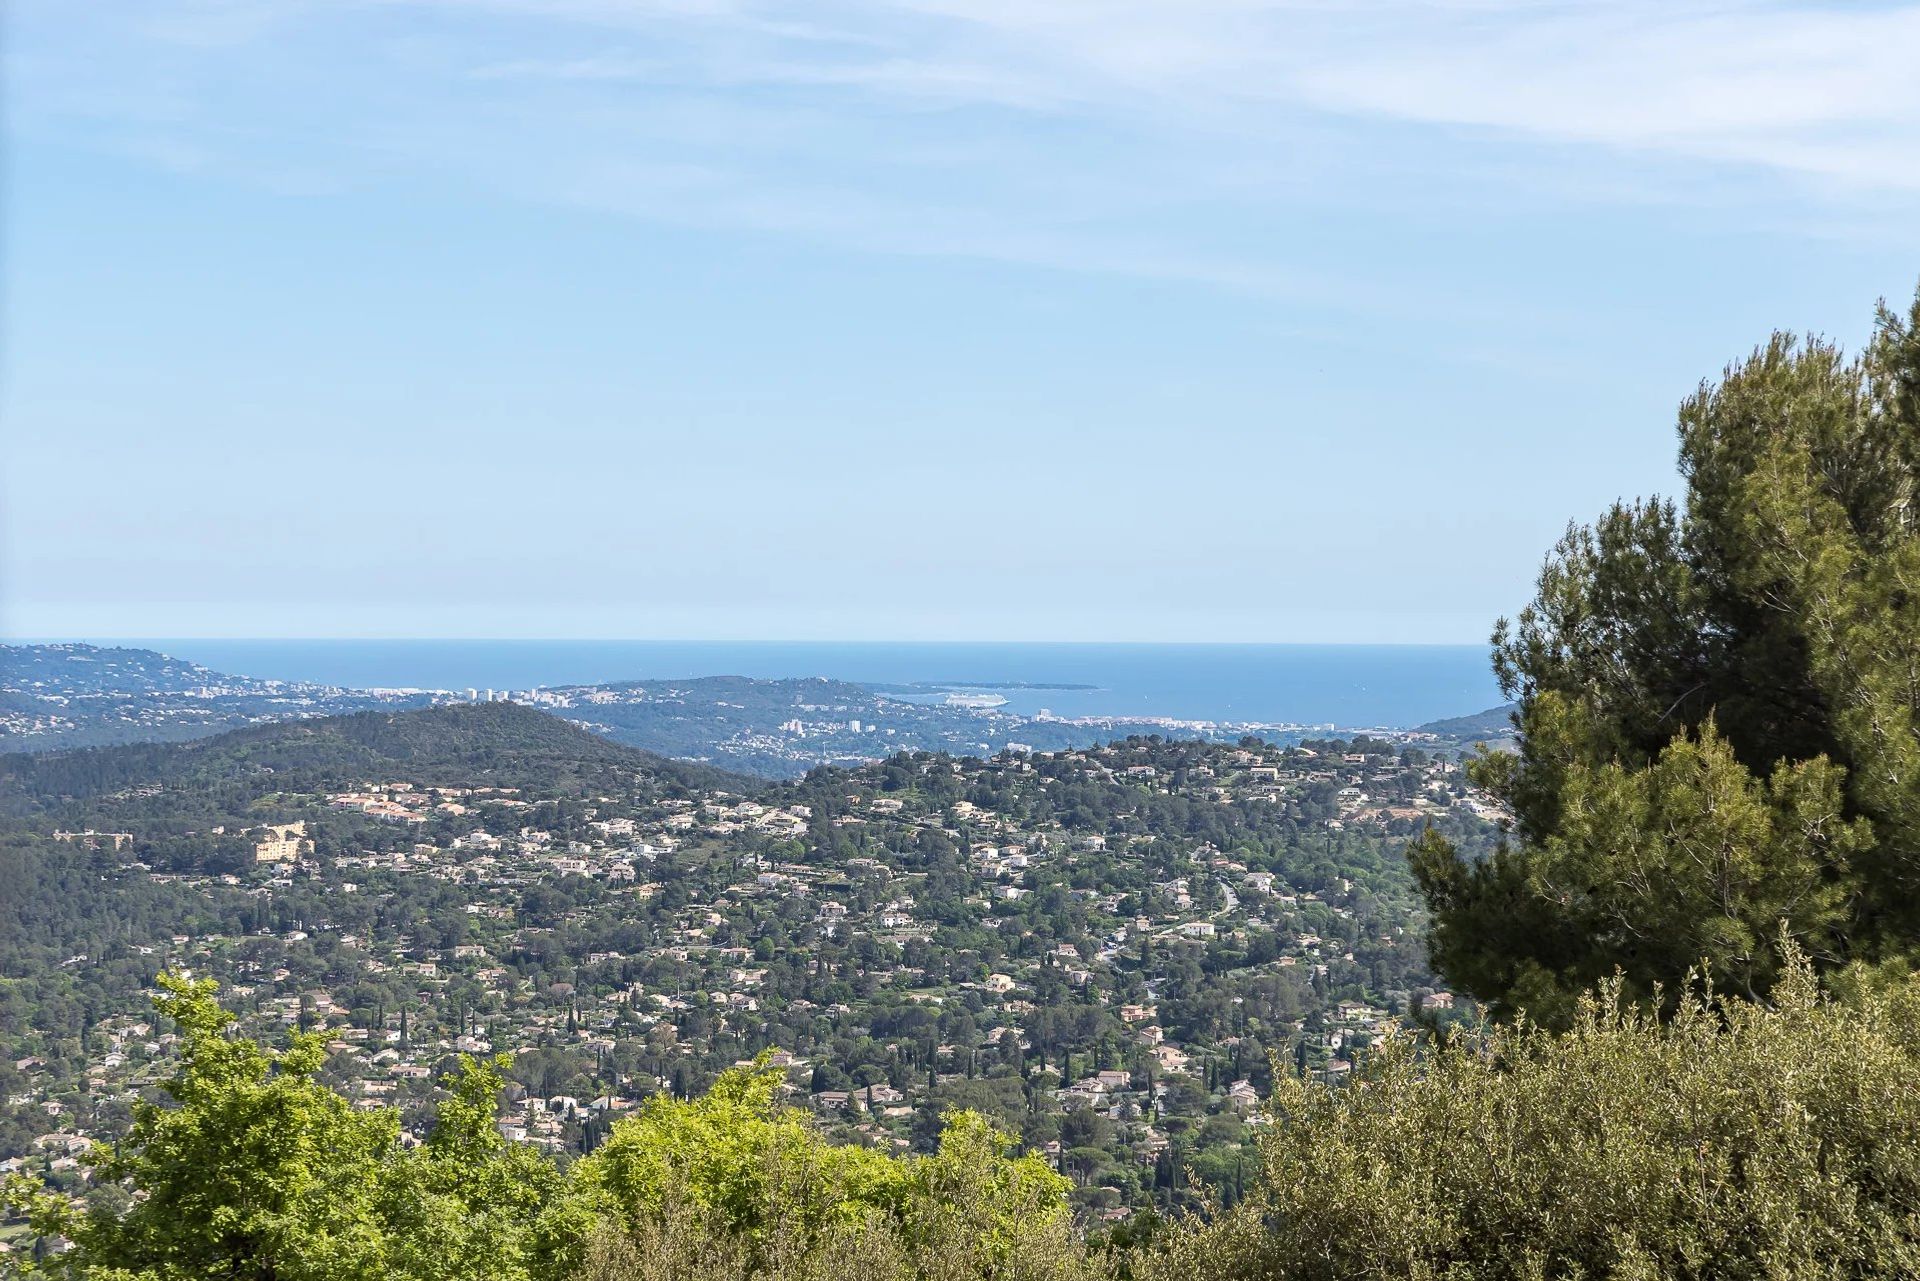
x: 1349, y: 686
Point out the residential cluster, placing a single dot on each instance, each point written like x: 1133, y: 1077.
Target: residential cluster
x: 1109, y: 950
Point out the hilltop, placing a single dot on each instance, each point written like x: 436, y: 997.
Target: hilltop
x: 75, y: 669
x: 495, y: 743
x: 1492, y: 725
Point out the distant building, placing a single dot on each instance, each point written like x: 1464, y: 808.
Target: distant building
x: 92, y: 839
x: 282, y: 844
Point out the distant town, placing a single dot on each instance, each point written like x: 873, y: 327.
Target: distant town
x: 76, y: 695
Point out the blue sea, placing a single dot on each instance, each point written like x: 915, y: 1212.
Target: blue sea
x: 1344, y: 685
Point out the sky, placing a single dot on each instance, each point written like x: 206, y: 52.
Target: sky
x: 895, y: 319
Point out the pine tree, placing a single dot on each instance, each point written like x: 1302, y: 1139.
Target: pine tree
x: 1718, y: 706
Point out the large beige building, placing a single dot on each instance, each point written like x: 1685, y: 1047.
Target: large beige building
x: 282, y: 844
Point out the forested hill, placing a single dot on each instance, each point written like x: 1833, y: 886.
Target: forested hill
x: 65, y: 671
x: 1491, y: 725
x: 949, y: 932
x: 495, y: 744
x: 55, y: 697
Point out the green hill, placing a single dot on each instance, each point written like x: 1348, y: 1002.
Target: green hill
x: 1494, y: 723
x: 497, y: 744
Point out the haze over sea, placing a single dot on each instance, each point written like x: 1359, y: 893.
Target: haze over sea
x: 1346, y: 685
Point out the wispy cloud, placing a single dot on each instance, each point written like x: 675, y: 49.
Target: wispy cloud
x: 1826, y: 92
x: 1038, y: 131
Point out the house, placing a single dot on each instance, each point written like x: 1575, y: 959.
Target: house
x: 1170, y: 1058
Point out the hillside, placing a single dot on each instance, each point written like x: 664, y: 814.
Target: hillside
x: 67, y: 670
x: 499, y: 744
x: 782, y: 728
x: 1098, y: 948
x: 1489, y: 726
x: 61, y: 696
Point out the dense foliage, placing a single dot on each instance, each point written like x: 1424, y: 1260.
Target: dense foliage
x: 1734, y: 1141
x: 1729, y: 1140
x: 734, y: 1185
x: 492, y: 743
x: 1719, y: 705
x: 252, y: 1168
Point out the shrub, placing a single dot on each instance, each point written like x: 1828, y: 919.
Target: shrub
x: 734, y: 1186
x: 253, y: 1170
x: 1736, y: 1140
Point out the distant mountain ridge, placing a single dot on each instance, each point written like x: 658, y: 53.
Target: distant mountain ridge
x: 77, y: 668
x: 58, y: 697
x: 75, y: 695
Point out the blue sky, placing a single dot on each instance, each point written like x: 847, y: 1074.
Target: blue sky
x: 937, y: 319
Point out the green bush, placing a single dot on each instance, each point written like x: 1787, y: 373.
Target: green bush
x: 733, y: 1185
x: 253, y: 1170
x: 1735, y: 1140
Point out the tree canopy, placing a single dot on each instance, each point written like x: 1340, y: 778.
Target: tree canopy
x: 253, y: 1169
x: 1718, y: 705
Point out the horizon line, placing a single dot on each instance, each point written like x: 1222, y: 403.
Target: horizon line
x: 103, y: 640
